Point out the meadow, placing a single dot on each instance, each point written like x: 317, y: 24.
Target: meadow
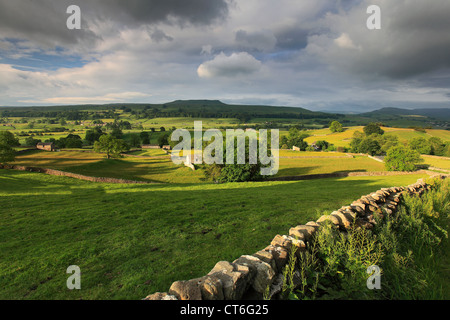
x: 133, y: 240
x: 155, y: 165
x: 343, y: 139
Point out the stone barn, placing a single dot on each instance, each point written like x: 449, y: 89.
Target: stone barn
x: 46, y: 146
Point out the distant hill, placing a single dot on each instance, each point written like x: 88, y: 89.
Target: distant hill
x: 263, y: 114
x: 181, y: 108
x: 436, y: 113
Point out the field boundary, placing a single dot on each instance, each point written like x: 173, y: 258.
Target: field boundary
x: 349, y: 174
x: 261, y: 275
x: 53, y: 172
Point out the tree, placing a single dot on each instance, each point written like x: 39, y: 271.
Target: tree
x: 8, y: 138
x: 93, y: 135
x: 163, y: 139
x: 72, y: 141
x: 421, y: 145
x: 7, y: 153
x: 135, y: 140
x: 112, y: 146
x: 7, y: 142
x: 356, y: 141
x: 388, y: 141
x: 372, y: 128
x: 235, y: 172
x: 370, y: 146
x: 402, y: 158
x: 145, y: 137
x: 322, y: 144
x: 437, y: 146
x: 336, y: 126
x: 31, y: 142
x: 117, y: 133
x: 295, y: 138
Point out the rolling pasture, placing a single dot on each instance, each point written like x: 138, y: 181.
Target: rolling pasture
x: 136, y: 239
x: 133, y: 240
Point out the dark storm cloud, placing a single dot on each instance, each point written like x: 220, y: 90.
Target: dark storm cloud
x: 151, y: 11
x: 414, y: 39
x: 292, y: 38
x: 260, y: 41
x: 44, y: 21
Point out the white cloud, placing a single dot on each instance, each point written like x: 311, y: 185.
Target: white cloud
x: 345, y: 42
x: 234, y: 65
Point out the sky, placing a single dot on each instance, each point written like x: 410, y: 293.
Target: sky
x: 314, y: 54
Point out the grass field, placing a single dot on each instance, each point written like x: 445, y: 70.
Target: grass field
x: 304, y: 166
x: 133, y: 240
x: 342, y: 139
x: 162, y: 169
x: 158, y: 169
x: 438, y: 162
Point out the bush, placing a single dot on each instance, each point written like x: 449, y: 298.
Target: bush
x: 7, y: 153
x: 421, y: 145
x: 372, y: 128
x: 336, y: 126
x: 401, y: 158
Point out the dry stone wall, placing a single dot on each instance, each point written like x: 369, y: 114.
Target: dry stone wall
x: 249, y: 276
x: 69, y: 174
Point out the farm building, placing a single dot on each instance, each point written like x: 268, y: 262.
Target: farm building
x: 46, y: 146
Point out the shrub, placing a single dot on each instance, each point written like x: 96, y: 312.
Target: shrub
x: 336, y: 126
x: 372, y: 128
x: 421, y: 145
x: 401, y: 158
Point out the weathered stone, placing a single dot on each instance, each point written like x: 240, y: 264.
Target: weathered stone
x: 287, y: 242
x: 293, y: 232
x: 349, y: 213
x: 268, y: 257
x: 234, y: 278
x: 281, y: 257
x: 277, y: 286
x: 264, y: 273
x: 211, y: 288
x: 302, y: 232
x: 362, y: 223
x: 344, y: 219
x: 298, y: 244
x: 359, y: 207
x: 160, y: 296
x: 280, y: 241
x: 330, y: 218
x: 395, y: 198
x: 342, y: 222
x: 313, y: 224
x: 364, y: 200
x: 186, y: 290
x: 375, y: 196
x: 221, y: 266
